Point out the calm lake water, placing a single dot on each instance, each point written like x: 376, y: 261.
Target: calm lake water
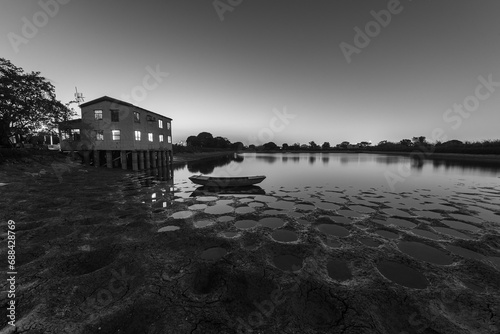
x: 429, y: 211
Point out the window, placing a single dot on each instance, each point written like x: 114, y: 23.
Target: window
x: 115, y: 116
x: 168, y: 125
x: 161, y: 139
x: 75, y: 134
x: 98, y: 113
x: 150, y: 136
x: 137, y: 135
x: 137, y: 117
x: 160, y: 124
x: 65, y: 134
x: 169, y: 139
x: 115, y: 134
x: 99, y: 134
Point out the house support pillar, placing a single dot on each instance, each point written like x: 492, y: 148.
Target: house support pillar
x: 109, y: 159
x: 153, y: 159
x: 141, y: 160
x: 123, y: 159
x: 86, y: 157
x: 146, y: 160
x: 135, y: 167
x: 97, y: 159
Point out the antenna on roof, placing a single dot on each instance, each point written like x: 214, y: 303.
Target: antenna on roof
x: 78, y: 96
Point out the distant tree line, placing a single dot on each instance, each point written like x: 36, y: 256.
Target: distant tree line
x: 205, y: 141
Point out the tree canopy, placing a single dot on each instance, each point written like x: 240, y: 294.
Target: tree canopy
x: 27, y: 103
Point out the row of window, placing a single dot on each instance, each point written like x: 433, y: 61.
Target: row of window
x: 74, y: 134
x: 115, y: 117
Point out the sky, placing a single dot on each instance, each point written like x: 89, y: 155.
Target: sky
x: 286, y: 71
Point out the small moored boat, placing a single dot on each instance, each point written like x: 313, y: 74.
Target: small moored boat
x: 223, y: 182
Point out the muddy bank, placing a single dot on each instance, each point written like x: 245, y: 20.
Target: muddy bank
x: 90, y: 259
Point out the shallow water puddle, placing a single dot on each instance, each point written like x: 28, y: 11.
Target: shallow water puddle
x: 338, y: 270
x: 425, y: 234
x: 245, y: 224
x: 224, y: 219
x: 282, y: 205
x: 288, y: 262
x: 400, y: 222
x: 284, y: 236
x: 341, y: 220
x: 327, y: 206
x: 361, y: 208
x: 429, y: 214
x: 197, y: 207
x: 451, y: 232
x: 397, y: 213
x: 213, y: 254
x: 466, y: 218
x: 387, y: 234
x: 219, y: 209
x: 272, y: 222
x: 303, y: 222
x: 265, y: 198
x: 426, y: 253
x: 255, y: 204
x: 463, y: 252
x: 203, y: 223
x: 332, y: 229
x: 461, y: 226
x: 402, y: 274
x: 182, y: 214
x: 243, y: 209
x: 206, y: 198
x: 168, y: 228
x: 304, y: 206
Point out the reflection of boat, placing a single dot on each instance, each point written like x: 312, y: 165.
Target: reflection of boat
x: 224, y: 182
x: 248, y: 190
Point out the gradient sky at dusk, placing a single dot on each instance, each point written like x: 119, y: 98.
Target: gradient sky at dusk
x: 230, y: 77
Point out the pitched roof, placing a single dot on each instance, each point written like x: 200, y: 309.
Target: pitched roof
x: 110, y: 99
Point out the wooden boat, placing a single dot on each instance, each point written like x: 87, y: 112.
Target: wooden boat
x: 224, y: 182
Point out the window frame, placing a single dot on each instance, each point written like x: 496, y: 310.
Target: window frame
x: 98, y: 112
x: 99, y: 135
x: 137, y: 117
x: 160, y: 124
x: 114, y: 136
x: 137, y: 134
x: 115, y: 115
x: 160, y: 138
x: 150, y: 137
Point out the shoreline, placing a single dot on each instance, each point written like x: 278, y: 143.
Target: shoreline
x: 494, y: 158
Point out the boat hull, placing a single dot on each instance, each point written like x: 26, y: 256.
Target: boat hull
x: 225, y: 182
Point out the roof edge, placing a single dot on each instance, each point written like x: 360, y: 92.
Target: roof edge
x: 110, y: 99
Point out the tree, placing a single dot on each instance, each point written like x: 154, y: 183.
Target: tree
x: 206, y: 139
x: 326, y: 145
x: 193, y: 141
x: 271, y: 146
x: 419, y: 140
x: 284, y: 146
x: 406, y: 142
x: 221, y: 142
x: 27, y: 103
x: 313, y: 145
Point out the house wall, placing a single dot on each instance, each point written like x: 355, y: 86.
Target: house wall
x: 127, y: 126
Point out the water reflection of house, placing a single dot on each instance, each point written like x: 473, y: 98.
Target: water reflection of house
x: 119, y: 134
